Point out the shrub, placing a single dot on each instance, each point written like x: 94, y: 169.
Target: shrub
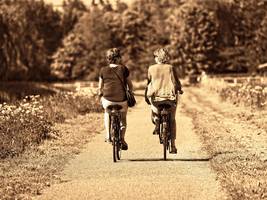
x: 27, y: 123
x: 240, y: 91
x: 22, y: 125
x: 254, y: 96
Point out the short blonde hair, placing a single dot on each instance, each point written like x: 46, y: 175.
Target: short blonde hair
x: 162, y: 54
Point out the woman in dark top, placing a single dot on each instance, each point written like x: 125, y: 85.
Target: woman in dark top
x: 112, y: 91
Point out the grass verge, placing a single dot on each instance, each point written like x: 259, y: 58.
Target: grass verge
x: 27, y: 123
x: 35, y: 143
x: 236, y: 144
x: 27, y: 175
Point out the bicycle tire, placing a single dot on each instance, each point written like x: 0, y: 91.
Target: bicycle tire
x: 118, y: 151
x: 164, y: 149
x: 165, y: 140
x: 114, y: 146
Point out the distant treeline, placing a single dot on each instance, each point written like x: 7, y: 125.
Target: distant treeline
x: 219, y: 36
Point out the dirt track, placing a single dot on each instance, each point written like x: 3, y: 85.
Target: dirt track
x: 141, y: 174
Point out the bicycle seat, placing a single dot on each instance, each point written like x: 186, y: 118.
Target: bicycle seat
x: 114, y: 107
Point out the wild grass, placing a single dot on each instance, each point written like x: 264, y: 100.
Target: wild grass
x: 28, y: 122
x: 254, y: 96
x: 250, y: 94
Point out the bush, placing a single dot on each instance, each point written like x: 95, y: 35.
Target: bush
x: 66, y: 105
x: 22, y: 125
x: 254, y: 96
x: 27, y: 123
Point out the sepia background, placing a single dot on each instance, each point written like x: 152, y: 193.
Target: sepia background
x: 50, y: 56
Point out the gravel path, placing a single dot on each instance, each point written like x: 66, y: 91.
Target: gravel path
x: 141, y: 174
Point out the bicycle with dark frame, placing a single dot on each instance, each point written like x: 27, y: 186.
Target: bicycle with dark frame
x: 164, y: 115
x: 164, y: 126
x: 115, y: 130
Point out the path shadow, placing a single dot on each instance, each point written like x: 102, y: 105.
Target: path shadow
x: 170, y: 159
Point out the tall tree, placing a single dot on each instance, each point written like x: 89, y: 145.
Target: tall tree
x: 194, y: 39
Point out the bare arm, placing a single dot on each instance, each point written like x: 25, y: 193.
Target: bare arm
x: 100, y: 86
x: 148, y: 81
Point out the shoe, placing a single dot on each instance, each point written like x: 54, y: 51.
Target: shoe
x: 173, y: 150
x: 124, y: 146
x: 108, y: 140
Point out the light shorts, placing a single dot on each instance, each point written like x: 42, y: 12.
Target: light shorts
x: 106, y: 103
x: 154, y: 108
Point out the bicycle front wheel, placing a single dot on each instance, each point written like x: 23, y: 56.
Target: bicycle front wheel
x: 114, y: 145
x: 118, y: 151
x: 165, y: 144
x: 165, y: 139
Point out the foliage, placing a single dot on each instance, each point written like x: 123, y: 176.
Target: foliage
x: 261, y: 41
x: 30, y: 121
x: 72, y: 11
x: 130, y: 29
x: 30, y: 32
x: 251, y: 92
x: 83, y: 50
x: 247, y: 94
x: 241, y: 24
x: 66, y: 63
x: 141, y: 33
x: 216, y: 36
x: 195, y: 30
x: 22, y: 125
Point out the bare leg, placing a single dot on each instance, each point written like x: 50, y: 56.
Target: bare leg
x: 173, y: 130
x: 106, y: 122
x: 123, y: 124
x: 123, y: 130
